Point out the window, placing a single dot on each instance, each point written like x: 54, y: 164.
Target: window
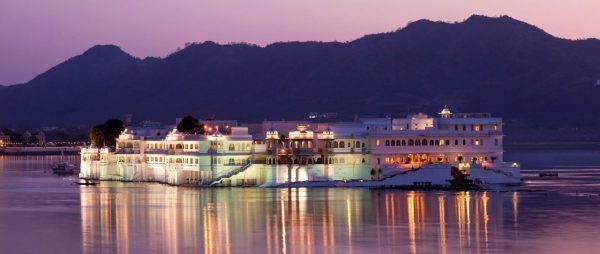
x: 456, y: 142
x: 418, y: 142
x: 403, y: 142
x: 231, y: 161
x: 363, y: 160
x: 342, y: 144
x: 447, y: 142
x: 335, y: 144
x: 455, y: 127
x: 393, y: 143
x: 411, y: 142
x: 357, y: 144
x: 431, y: 142
x: 464, y: 127
x: 387, y: 142
x: 464, y: 142
x: 424, y: 142
x: 495, y: 142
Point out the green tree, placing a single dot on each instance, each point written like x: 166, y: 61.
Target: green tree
x: 190, y: 125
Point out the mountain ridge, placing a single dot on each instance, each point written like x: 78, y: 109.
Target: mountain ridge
x: 494, y: 64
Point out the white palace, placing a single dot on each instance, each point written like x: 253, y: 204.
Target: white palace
x: 366, y: 152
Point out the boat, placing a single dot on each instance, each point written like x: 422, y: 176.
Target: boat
x: 64, y: 168
x: 86, y: 182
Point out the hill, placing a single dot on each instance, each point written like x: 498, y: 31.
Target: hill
x: 483, y: 64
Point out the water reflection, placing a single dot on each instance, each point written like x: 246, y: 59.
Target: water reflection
x: 126, y: 217
x: 544, y: 215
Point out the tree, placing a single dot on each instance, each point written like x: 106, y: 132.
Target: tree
x: 106, y: 134
x: 112, y: 129
x: 97, y: 136
x: 190, y: 125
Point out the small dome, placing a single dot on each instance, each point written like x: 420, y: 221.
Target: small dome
x: 445, y: 113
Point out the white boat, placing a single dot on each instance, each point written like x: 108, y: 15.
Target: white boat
x: 64, y: 168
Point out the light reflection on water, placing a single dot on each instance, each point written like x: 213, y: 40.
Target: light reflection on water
x: 545, y: 215
x: 126, y: 218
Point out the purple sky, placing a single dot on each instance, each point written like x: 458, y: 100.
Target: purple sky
x: 38, y: 34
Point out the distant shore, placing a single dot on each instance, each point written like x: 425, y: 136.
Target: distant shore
x: 553, y: 145
x: 72, y: 150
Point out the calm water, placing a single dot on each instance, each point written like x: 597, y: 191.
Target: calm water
x: 41, y: 213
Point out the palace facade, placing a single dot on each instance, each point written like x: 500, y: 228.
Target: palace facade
x: 418, y: 148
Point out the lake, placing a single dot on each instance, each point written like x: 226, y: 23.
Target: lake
x: 42, y: 213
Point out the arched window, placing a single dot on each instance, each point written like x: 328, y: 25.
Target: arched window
x: 178, y: 146
x: 363, y: 144
x: 231, y: 147
x: 387, y: 142
x: 231, y: 161
x: 357, y: 144
x: 464, y: 142
x: 335, y: 144
x: 398, y: 142
x: 363, y: 160
x: 456, y: 142
x: 424, y: 142
x: 310, y: 161
x: 403, y: 142
x: 437, y: 142
x: 431, y: 143
x: 418, y: 142
x: 447, y: 142
x: 178, y: 160
x: 335, y: 161
x: 342, y: 144
x: 393, y: 143
x: 411, y: 142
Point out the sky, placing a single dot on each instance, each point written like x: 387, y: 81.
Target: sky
x: 36, y: 35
